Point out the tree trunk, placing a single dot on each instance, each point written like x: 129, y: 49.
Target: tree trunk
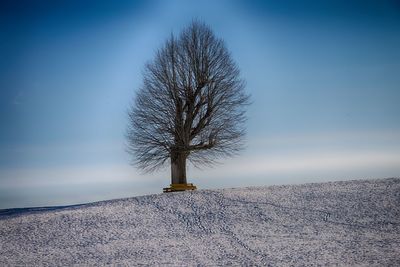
x: 178, y: 168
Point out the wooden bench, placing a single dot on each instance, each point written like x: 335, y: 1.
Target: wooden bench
x: 179, y: 187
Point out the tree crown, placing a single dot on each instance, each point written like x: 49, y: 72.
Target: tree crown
x: 192, y: 102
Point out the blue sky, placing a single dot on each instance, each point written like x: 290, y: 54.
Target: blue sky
x: 324, y: 78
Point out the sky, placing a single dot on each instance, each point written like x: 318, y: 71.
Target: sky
x: 324, y: 79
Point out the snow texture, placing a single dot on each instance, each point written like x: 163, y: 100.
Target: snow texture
x: 338, y: 223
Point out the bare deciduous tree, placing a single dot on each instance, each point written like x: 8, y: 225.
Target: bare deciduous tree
x: 191, y: 105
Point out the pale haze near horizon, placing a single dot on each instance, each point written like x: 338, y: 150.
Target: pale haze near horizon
x: 323, y: 77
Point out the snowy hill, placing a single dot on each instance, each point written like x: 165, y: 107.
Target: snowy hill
x: 338, y: 223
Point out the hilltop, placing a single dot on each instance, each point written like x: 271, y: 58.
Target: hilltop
x: 335, y: 223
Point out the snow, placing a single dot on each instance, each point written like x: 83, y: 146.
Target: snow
x: 336, y: 223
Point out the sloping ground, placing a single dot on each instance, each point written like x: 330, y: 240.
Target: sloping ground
x: 339, y: 223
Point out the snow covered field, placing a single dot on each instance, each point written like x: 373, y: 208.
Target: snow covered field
x: 338, y: 223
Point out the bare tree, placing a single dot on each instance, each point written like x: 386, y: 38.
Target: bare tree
x: 191, y: 105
